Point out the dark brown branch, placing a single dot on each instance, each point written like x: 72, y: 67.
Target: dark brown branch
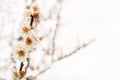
x: 32, y: 20
x: 21, y: 66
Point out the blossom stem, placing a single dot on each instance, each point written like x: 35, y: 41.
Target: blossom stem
x: 31, y: 22
x: 21, y: 66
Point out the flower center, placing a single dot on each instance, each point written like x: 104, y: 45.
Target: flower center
x: 25, y: 29
x: 21, y: 53
x: 22, y: 73
x: 28, y: 41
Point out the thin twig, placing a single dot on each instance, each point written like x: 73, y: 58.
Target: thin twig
x: 55, y: 32
x: 41, y: 72
x: 73, y: 52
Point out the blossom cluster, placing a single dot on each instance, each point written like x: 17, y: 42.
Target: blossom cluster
x: 27, y: 40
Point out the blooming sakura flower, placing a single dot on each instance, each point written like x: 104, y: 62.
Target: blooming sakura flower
x: 30, y: 41
x: 26, y: 30
x: 20, y: 52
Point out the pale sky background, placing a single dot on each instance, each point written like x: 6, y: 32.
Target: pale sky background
x: 85, y: 20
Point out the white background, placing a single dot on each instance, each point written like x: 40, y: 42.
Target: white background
x: 99, y: 19
x: 100, y: 60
